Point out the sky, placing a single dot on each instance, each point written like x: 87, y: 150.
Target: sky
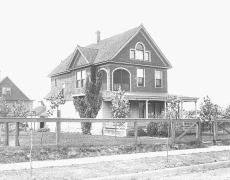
x: 35, y: 36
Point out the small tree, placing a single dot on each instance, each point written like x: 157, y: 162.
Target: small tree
x: 173, y: 105
x: 56, y: 101
x: 226, y: 113
x: 209, y: 112
x: 88, y: 105
x: 120, y: 107
x: 4, y: 111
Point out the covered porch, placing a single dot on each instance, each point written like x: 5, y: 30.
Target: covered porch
x: 146, y: 105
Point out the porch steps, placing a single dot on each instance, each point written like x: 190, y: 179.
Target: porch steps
x: 140, y: 132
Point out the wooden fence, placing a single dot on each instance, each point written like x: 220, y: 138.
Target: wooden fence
x: 195, y: 123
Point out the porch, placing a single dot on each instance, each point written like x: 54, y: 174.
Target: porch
x: 143, y: 105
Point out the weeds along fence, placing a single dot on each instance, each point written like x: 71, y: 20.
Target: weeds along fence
x: 14, y: 134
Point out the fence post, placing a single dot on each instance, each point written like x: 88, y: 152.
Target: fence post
x: 135, y: 133
x: 58, y: 128
x: 198, y: 131
x: 7, y: 134
x: 173, y: 131
x: 17, y: 134
x: 215, y: 132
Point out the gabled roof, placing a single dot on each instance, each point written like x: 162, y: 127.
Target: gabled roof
x: 40, y: 111
x: 105, y: 50
x: 16, y: 93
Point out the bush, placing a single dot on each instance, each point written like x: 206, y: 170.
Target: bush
x: 157, y: 129
x: 86, y: 127
x: 44, y: 130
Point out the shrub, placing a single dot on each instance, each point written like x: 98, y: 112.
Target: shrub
x: 157, y: 129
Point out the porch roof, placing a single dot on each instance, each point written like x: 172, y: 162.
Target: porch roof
x: 149, y: 96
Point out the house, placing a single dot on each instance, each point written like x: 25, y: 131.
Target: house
x: 39, y: 112
x: 11, y: 93
x: 131, y: 60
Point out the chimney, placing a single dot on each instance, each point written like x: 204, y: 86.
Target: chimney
x: 98, y: 36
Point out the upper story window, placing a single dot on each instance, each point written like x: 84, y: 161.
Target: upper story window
x: 80, y: 78
x: 158, y: 78
x: 139, y: 53
x: 6, y: 91
x: 140, y: 77
x: 55, y: 82
x: 63, y: 88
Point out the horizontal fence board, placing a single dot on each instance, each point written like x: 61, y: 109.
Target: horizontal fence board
x: 11, y: 120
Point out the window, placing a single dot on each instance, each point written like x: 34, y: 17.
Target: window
x: 80, y: 79
x: 121, y: 78
x: 140, y: 77
x: 132, y: 54
x: 146, y: 56
x: 6, y: 90
x: 55, y: 82
x: 63, y: 88
x: 139, y: 53
x: 158, y: 77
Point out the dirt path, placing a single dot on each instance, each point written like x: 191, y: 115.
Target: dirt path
x: 80, y: 172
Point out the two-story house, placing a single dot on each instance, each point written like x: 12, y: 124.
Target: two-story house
x: 11, y: 93
x: 131, y: 60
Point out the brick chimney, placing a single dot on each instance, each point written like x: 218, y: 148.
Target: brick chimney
x: 98, y: 36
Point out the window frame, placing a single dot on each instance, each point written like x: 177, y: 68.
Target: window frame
x: 6, y: 91
x: 134, y: 51
x: 80, y: 82
x: 161, y: 78
x: 143, y: 78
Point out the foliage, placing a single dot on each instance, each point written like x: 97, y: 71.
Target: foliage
x: 18, y: 109
x: 157, y: 129
x: 173, y: 107
x: 5, y: 108
x: 120, y: 107
x: 56, y: 101
x: 209, y: 111
x: 162, y: 129
x: 88, y: 106
x: 226, y: 113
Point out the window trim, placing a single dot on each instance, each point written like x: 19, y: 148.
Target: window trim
x: 107, y: 79
x: 81, y: 80
x: 130, y: 75
x: 6, y: 91
x: 135, y: 52
x: 143, y: 77
x: 161, y: 79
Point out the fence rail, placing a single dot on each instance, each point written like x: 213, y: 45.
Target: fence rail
x: 195, y: 123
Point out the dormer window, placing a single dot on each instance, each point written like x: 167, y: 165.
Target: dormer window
x: 139, y: 53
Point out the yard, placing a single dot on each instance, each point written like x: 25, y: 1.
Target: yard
x: 76, y: 145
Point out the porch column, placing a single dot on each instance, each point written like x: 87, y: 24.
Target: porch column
x: 181, y: 110
x: 198, y: 128
x: 195, y: 109
x: 165, y: 106
x: 147, y: 109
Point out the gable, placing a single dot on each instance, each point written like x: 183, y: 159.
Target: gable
x: 115, y: 48
x: 156, y: 57
x: 78, y: 61
x: 16, y: 93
